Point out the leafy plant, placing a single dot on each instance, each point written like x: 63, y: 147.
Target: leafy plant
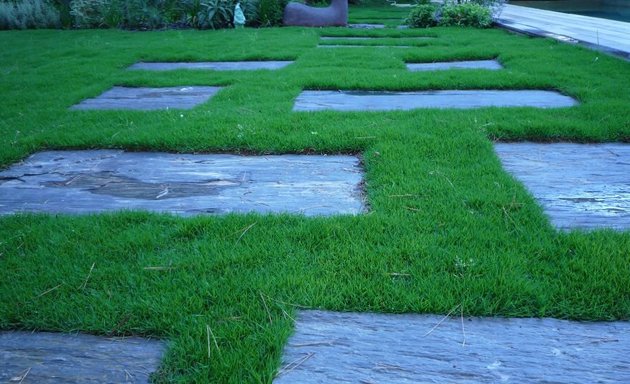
x: 422, y: 16
x: 270, y: 12
x: 465, y: 15
x: 90, y: 13
x: 28, y: 14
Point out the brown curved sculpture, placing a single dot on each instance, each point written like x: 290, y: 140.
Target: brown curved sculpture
x: 335, y: 15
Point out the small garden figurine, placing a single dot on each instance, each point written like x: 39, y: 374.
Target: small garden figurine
x: 239, y: 17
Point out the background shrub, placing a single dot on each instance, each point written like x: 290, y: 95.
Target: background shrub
x: 465, y: 15
x: 422, y: 16
x: 270, y: 12
x: 28, y: 14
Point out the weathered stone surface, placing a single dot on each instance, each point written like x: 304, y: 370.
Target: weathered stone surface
x: 149, y: 98
x: 212, y: 65
x: 366, y: 26
x: 43, y: 357
x: 364, y: 38
x: 331, y: 347
x: 387, y: 101
x: 95, y: 181
x: 579, y: 185
x: 361, y: 46
x: 298, y: 14
x: 446, y: 65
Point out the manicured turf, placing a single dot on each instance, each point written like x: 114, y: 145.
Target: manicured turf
x: 447, y: 225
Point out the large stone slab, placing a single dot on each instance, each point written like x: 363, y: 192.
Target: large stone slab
x: 362, y: 46
x: 492, y: 65
x: 578, y: 185
x: 43, y: 357
x: 330, y: 347
x: 78, y: 182
x: 368, y: 38
x: 214, y: 65
x: 388, y: 101
x: 366, y: 26
x: 149, y: 98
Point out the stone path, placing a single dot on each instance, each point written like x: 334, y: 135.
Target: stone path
x: 42, y: 357
x: 364, y: 38
x: 492, y: 65
x: 607, y: 35
x: 78, y: 182
x: 333, y: 347
x: 388, y: 101
x: 146, y: 99
x: 215, y: 66
x: 366, y: 26
x: 579, y: 185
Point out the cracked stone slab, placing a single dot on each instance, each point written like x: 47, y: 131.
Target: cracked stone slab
x: 333, y: 347
x: 146, y: 99
x: 77, y: 182
x: 214, y: 66
x: 579, y: 185
x: 492, y: 65
x: 389, y: 101
x: 44, y: 357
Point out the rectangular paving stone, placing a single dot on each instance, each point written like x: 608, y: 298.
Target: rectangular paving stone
x: 388, y: 101
x: 367, y: 38
x: 492, y: 65
x: 366, y: 26
x: 332, y: 347
x: 147, y: 99
x: 43, y: 357
x: 579, y: 185
x: 214, y: 66
x: 362, y: 46
x: 78, y: 182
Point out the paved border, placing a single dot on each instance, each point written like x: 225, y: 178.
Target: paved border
x: 211, y: 65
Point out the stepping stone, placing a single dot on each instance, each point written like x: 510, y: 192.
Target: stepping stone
x: 146, y: 99
x: 330, y: 347
x: 78, y: 182
x: 366, y: 26
x: 373, y: 38
x: 492, y: 65
x: 389, y: 101
x: 579, y: 185
x: 44, y: 357
x: 215, y: 66
x: 362, y: 46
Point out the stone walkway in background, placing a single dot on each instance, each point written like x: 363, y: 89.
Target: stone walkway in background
x: 608, y: 35
x: 579, y: 185
x: 77, y: 182
x: 148, y: 99
x: 334, y: 347
x: 390, y: 101
x: 211, y: 65
x: 56, y: 358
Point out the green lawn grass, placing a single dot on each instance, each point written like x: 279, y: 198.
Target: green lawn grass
x: 447, y: 226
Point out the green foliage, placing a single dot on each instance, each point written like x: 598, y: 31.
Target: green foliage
x: 422, y: 16
x: 270, y: 12
x: 28, y: 14
x: 465, y: 15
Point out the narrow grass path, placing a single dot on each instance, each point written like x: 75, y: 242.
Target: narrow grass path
x: 447, y: 226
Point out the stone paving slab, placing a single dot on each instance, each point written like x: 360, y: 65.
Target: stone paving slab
x: 147, y: 99
x: 362, y: 46
x: 215, y: 65
x: 364, y: 38
x: 388, y: 101
x: 43, y: 357
x: 333, y: 347
x: 579, y: 185
x: 492, y: 65
x: 78, y: 182
x: 366, y: 26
